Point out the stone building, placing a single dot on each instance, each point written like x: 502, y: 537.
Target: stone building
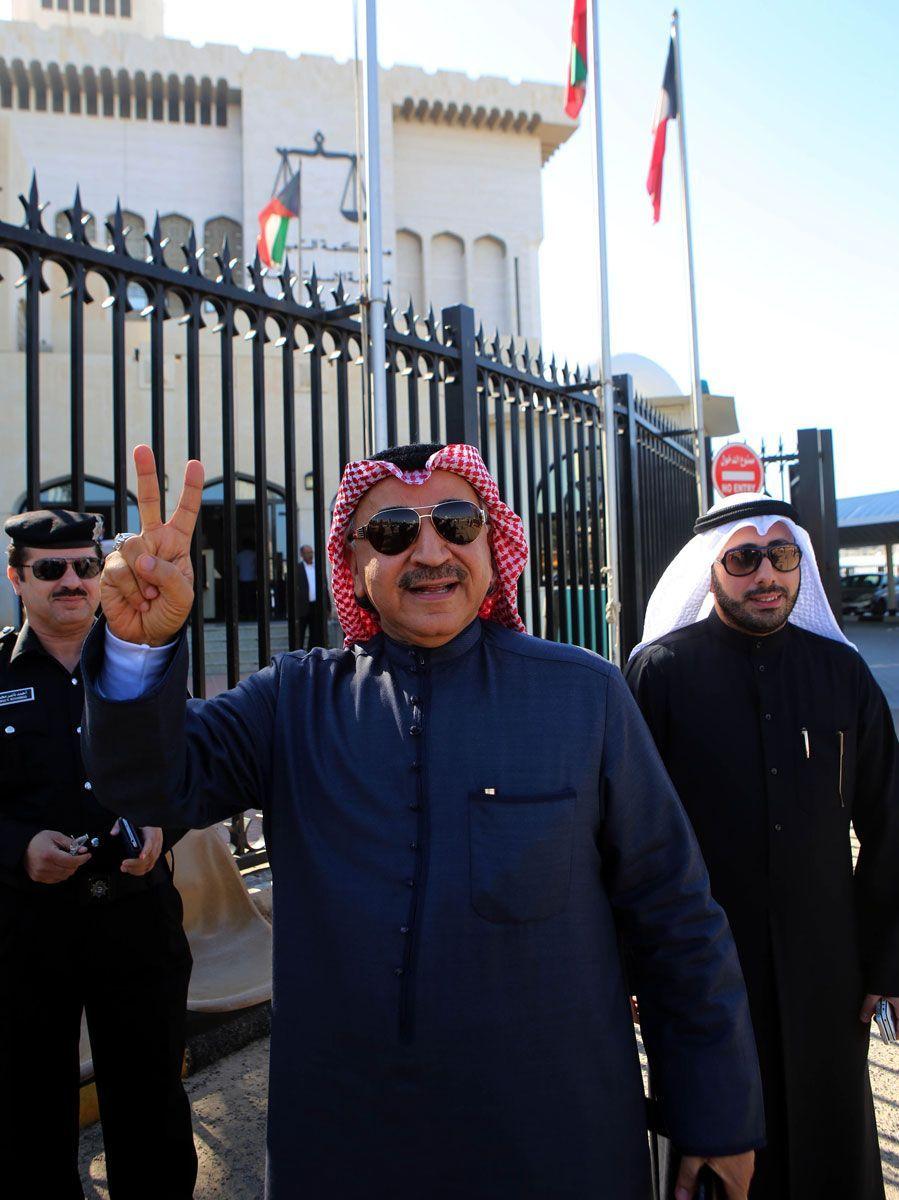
x: 92, y: 93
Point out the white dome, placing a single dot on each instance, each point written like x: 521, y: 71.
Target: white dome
x: 650, y: 380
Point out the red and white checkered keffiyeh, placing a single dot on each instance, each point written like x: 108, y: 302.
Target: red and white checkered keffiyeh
x: 506, y: 532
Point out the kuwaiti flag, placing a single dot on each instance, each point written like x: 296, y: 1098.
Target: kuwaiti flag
x: 667, y: 111
x: 273, y: 220
x: 577, y: 69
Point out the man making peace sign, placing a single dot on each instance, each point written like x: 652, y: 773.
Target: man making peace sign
x: 462, y: 821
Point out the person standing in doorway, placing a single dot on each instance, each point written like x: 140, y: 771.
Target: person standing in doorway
x: 312, y: 609
x: 246, y: 581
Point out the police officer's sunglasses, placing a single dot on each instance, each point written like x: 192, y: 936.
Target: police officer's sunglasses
x: 746, y: 560
x: 393, y: 530
x: 49, y: 570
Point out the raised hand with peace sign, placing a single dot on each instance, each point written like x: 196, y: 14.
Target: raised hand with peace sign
x: 147, y: 587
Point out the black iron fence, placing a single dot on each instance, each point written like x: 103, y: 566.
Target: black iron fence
x: 265, y: 384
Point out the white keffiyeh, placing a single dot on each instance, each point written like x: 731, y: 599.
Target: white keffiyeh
x: 682, y: 596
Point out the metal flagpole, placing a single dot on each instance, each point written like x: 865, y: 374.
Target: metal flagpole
x: 702, y: 483
x: 368, y: 446
x: 610, y: 459
x: 376, y: 308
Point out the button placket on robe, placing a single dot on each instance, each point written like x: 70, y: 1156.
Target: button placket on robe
x: 774, y: 783
x: 415, y: 729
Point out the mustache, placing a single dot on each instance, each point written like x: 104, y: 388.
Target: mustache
x: 766, y: 591
x: 62, y: 592
x: 420, y: 575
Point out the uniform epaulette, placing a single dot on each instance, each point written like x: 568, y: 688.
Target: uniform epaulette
x: 7, y: 631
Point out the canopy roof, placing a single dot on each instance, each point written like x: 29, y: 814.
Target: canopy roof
x: 869, y: 520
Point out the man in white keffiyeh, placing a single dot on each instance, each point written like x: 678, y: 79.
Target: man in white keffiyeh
x: 777, y: 737
x: 684, y: 595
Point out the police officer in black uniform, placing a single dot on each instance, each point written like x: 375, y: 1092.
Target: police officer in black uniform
x: 85, y: 923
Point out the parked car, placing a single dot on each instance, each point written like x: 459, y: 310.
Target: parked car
x: 875, y: 607
x: 857, y: 590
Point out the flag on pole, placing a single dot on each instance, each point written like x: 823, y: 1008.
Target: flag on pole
x: 666, y: 111
x: 577, y: 70
x: 273, y: 221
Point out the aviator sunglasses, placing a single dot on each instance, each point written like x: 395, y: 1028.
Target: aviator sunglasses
x: 52, y: 569
x: 746, y: 560
x: 393, y: 530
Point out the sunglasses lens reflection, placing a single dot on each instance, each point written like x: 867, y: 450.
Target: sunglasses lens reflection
x: 784, y: 558
x: 458, y: 521
x: 393, y: 530
x: 746, y: 560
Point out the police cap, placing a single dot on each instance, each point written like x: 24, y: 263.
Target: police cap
x: 55, y: 529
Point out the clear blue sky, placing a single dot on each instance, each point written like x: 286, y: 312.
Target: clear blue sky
x: 794, y: 162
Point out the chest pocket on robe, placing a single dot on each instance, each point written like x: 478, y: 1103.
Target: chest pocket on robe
x: 520, y: 855
x: 825, y: 778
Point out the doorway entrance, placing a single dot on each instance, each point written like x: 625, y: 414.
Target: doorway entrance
x: 212, y: 529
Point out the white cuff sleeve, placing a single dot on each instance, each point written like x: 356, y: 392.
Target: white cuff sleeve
x: 129, y: 670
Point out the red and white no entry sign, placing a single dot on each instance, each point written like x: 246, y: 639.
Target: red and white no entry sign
x: 737, y: 468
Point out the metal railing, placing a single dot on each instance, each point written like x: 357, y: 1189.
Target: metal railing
x: 538, y: 425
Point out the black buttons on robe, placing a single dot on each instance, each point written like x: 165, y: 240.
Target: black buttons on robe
x: 415, y: 729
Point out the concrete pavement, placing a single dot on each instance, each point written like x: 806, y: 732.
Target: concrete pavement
x: 878, y: 643
x: 228, y: 1101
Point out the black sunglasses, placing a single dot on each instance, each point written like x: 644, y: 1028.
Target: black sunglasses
x: 746, y: 560
x: 49, y: 570
x: 393, y: 530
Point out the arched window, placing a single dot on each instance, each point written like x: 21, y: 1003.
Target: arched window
x: 20, y: 76
x: 174, y: 93
x: 124, y: 87
x: 90, y: 90
x: 72, y: 85
x: 39, y: 84
x: 176, y: 228
x: 190, y: 100
x: 57, y: 88
x: 134, y: 238
x: 99, y: 497
x: 409, y: 272
x: 63, y: 229
x: 140, y: 95
x: 490, y: 284
x: 107, y: 92
x: 157, y: 97
x: 221, y: 102
x: 5, y: 85
x: 214, y: 234
x: 447, y: 271
x: 205, y: 101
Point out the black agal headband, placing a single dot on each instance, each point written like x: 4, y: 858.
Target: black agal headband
x: 739, y: 512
